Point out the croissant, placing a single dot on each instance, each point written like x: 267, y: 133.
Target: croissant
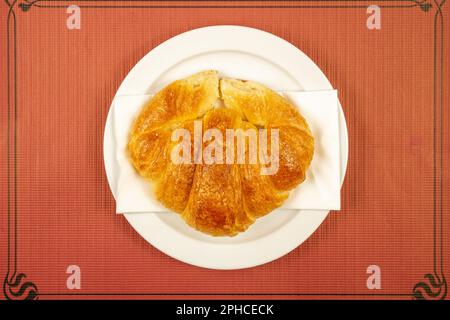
x: 220, y: 198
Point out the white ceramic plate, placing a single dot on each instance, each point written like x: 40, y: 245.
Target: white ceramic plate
x: 238, y: 52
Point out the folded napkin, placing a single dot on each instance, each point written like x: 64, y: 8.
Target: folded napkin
x: 320, y: 190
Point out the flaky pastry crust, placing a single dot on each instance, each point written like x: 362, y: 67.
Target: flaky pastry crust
x: 219, y: 199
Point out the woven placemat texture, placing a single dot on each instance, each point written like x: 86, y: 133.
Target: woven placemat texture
x: 56, y: 88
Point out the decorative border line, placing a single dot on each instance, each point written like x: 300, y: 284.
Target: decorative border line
x: 434, y: 285
x: 424, y: 5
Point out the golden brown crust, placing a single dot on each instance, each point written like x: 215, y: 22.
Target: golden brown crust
x: 179, y: 102
x: 215, y: 205
x: 174, y: 187
x: 260, y: 195
x: 149, y: 152
x: 182, y: 100
x: 219, y: 199
x: 263, y: 107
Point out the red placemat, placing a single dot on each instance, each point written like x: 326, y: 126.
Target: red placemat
x: 57, y: 210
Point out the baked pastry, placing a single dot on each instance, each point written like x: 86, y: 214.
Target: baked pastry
x: 220, y: 198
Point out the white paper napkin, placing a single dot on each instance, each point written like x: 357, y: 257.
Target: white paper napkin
x: 320, y: 190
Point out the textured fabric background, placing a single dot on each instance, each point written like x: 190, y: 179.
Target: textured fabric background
x: 56, y: 206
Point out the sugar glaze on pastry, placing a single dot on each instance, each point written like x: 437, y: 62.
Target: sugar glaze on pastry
x: 219, y: 199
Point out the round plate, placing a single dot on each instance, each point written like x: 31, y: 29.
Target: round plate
x: 237, y: 52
